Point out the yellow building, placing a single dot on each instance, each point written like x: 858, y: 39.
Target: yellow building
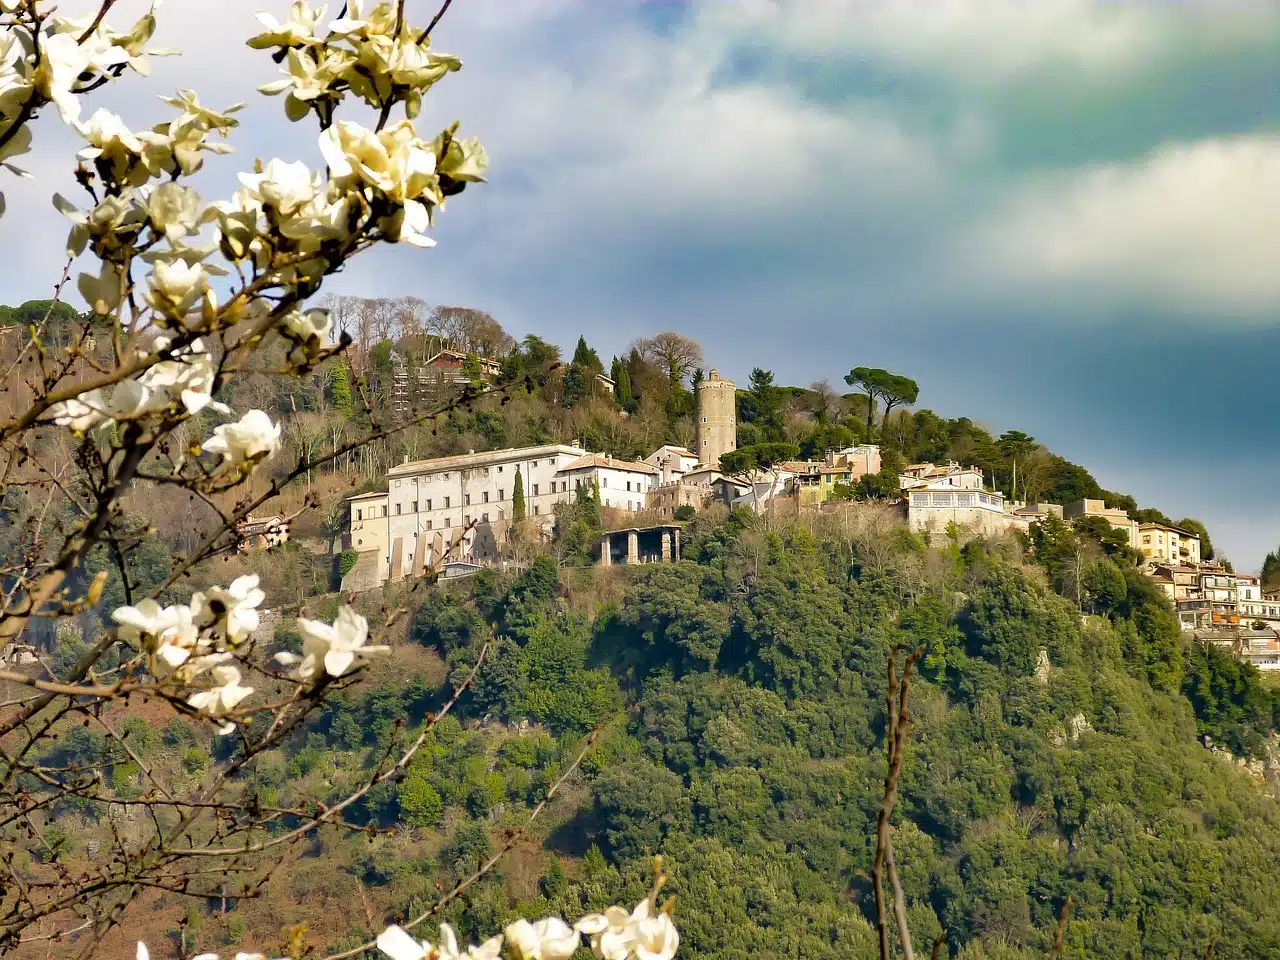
x: 1165, y: 543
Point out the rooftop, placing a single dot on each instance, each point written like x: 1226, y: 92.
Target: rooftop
x: 600, y: 460
x: 464, y: 460
x: 368, y: 496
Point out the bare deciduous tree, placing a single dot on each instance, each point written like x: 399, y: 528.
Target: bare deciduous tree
x: 675, y: 353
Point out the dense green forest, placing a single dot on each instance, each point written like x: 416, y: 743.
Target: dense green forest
x: 740, y: 698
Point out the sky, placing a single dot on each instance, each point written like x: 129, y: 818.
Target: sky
x: 1059, y: 216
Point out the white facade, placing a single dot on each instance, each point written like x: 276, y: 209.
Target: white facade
x: 430, y: 502
x: 671, y: 462
x: 951, y: 477
x: 934, y: 508
x: 368, y: 526
x: 623, y: 485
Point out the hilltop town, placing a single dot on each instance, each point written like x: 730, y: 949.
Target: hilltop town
x: 457, y: 514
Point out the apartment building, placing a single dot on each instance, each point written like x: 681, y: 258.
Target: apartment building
x: 1165, y: 543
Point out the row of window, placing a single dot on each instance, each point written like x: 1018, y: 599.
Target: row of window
x: 373, y: 513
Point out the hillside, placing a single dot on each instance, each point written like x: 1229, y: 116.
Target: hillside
x: 1058, y: 746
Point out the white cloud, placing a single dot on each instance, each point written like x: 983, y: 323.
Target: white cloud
x: 997, y: 41
x: 1192, y: 227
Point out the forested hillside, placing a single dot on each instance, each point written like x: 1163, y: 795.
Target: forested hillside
x: 740, y: 698
x: 1060, y: 719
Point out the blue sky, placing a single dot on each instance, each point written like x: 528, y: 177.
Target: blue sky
x: 1060, y: 215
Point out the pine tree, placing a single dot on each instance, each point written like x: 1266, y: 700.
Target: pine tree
x: 586, y: 358
x: 517, y: 499
x: 340, y: 388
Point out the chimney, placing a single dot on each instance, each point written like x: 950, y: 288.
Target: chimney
x: 406, y: 458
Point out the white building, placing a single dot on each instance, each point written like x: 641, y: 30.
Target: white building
x: 368, y: 526
x: 952, y: 475
x: 430, y: 502
x: 672, y: 462
x: 622, y: 485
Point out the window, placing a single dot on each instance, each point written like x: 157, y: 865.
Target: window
x: 446, y: 523
x: 466, y: 520
x: 397, y: 509
x: 704, y: 419
x: 466, y: 500
x: 397, y: 483
x: 1147, y: 538
x: 446, y: 503
x: 384, y: 511
x: 577, y: 483
x: 535, y: 509
x: 485, y: 495
x: 499, y: 469
x: 535, y: 463
x: 428, y: 503
x: 359, y: 514
x: 486, y: 471
x: 535, y: 489
x: 500, y: 494
x: 484, y: 518
x: 428, y: 524
x: 604, y: 481
x: 628, y: 486
x: 415, y: 506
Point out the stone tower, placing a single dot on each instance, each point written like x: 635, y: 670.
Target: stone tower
x: 717, y: 419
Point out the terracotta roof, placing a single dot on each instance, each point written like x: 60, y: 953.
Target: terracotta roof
x: 1168, y: 526
x: 608, y: 463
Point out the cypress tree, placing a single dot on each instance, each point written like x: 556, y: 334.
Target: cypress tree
x: 340, y: 388
x: 517, y: 499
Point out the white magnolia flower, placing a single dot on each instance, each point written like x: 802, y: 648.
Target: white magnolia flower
x: 101, y: 292
x: 176, y: 286
x: 233, y: 609
x: 108, y: 137
x: 298, y: 30
x: 15, y: 84
x: 194, y: 113
x: 220, y: 699
x: 283, y: 186
x: 169, y: 636
x: 491, y: 949
x: 330, y: 649
x: 251, y: 439
x: 62, y: 60
x: 175, y: 211
x: 610, y: 932
x: 80, y: 413
x: 309, y: 324
x: 307, y: 80
x: 656, y: 938
x: 394, y: 161
x: 379, y: 21
x: 399, y: 945
x: 548, y: 939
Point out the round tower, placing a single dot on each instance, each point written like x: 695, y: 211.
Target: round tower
x: 717, y: 426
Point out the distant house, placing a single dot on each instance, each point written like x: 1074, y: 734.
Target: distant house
x: 1119, y: 519
x: 623, y: 485
x: 261, y: 533
x: 446, y: 367
x: 450, y: 364
x: 1165, y: 543
x: 672, y: 462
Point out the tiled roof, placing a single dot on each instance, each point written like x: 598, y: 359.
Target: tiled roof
x: 608, y: 463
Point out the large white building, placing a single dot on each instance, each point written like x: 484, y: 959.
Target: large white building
x: 461, y: 507
x: 430, y: 502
